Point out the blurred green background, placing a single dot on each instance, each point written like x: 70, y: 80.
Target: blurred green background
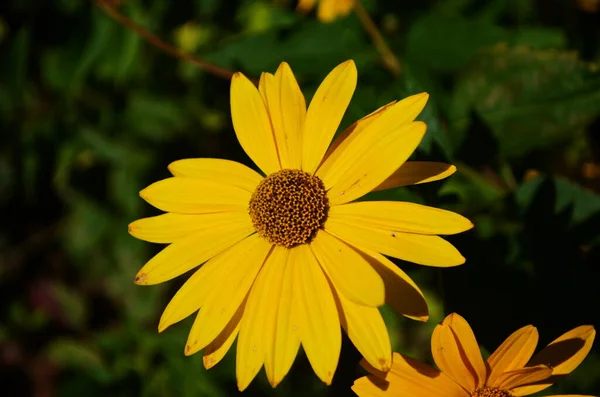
x: 90, y: 114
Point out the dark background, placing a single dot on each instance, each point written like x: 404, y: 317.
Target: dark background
x: 90, y: 114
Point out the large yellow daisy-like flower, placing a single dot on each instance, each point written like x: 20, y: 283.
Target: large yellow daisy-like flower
x: 289, y: 257
x: 327, y: 10
x: 509, y: 371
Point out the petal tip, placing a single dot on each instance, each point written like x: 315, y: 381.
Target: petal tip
x: 141, y: 278
x: 209, y: 362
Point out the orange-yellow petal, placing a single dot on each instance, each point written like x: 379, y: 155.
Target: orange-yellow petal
x: 417, y: 248
x: 329, y: 10
x: 224, y: 299
x: 283, y: 339
x: 216, y: 350
x: 513, y: 353
x: 369, y: 159
x: 218, y: 170
x: 170, y: 227
x: 468, y: 346
x: 318, y: 318
x: 563, y: 355
x: 401, y: 217
x: 195, y: 196
x: 305, y: 5
x: 325, y: 113
x: 417, y: 172
x: 523, y: 376
x: 349, y: 272
x: 252, y: 125
x: 367, y: 331
x: 287, y: 110
x: 449, y: 356
x: 191, y: 251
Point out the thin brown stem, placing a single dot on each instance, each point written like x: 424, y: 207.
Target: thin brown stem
x: 390, y: 61
x: 155, y: 41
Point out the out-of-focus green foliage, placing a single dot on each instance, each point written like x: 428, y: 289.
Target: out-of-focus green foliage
x: 90, y: 114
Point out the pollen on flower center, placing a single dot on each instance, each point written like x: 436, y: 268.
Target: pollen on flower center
x: 490, y: 392
x: 288, y: 207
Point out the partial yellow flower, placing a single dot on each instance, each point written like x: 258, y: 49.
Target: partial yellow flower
x: 289, y: 258
x: 327, y: 10
x: 509, y: 371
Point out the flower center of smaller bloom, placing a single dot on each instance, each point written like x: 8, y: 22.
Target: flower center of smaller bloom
x: 288, y: 207
x: 490, y: 392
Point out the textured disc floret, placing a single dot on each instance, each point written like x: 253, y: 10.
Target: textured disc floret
x: 490, y: 392
x: 288, y: 207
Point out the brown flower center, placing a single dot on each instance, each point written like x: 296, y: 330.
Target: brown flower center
x: 490, y: 392
x: 288, y: 207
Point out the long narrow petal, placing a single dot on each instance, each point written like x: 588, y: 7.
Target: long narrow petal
x: 318, y: 319
x: 216, y: 350
x: 449, y: 357
x: 218, y: 170
x: 367, y: 331
x: 195, y: 196
x: 417, y: 172
x: 170, y: 227
x: 381, y: 123
x: 283, y: 339
x: 349, y: 272
x: 417, y: 248
x: 401, y: 217
x: 563, y: 355
x: 287, y: 109
x: 401, y: 292
x: 325, y: 113
x: 191, y: 251
x: 411, y: 377
x: 523, y: 376
x: 222, y: 302
x: 369, y: 159
x: 468, y: 346
x: 195, y: 290
x: 252, y: 125
x: 513, y: 353
x: 258, y: 321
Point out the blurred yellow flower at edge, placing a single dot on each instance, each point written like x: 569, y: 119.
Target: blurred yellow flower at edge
x: 290, y: 258
x: 509, y: 371
x: 327, y: 10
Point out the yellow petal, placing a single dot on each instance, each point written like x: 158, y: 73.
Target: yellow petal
x: 258, y: 321
x: 367, y: 131
x: 401, y: 217
x: 216, y: 350
x: 513, y: 353
x: 283, y: 339
x: 305, y: 5
x: 370, y: 386
x: 416, y: 172
x: 411, y: 377
x: 367, y: 331
x: 523, y: 376
x: 349, y: 272
x: 369, y: 159
x: 252, y: 125
x: 563, y: 355
x: 218, y: 170
x: 325, y: 113
x: 262, y: 86
x: 170, y: 227
x: 329, y: 10
x: 318, y: 319
x: 468, y: 347
x: 191, y: 251
x: 287, y: 109
x: 222, y: 301
x: 401, y: 292
x: 195, y: 290
x: 195, y: 196
x: 447, y: 352
x: 417, y: 248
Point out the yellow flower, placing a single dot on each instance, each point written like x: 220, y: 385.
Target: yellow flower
x: 289, y: 257
x: 509, y: 371
x: 328, y: 10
